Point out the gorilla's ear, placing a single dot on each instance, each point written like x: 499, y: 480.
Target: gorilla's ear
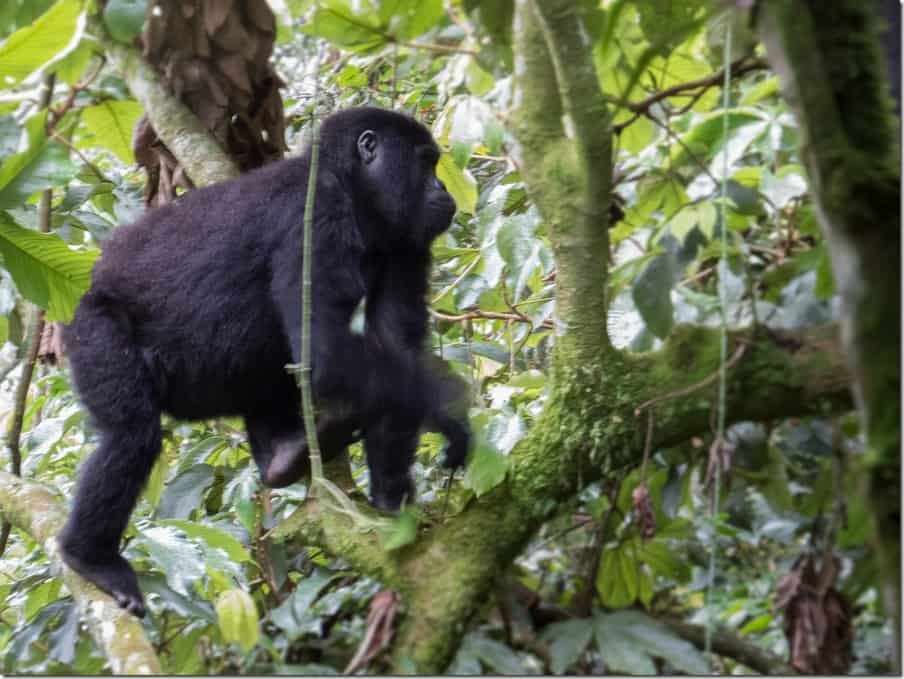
x: 367, y: 146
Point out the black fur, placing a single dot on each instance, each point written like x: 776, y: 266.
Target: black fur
x: 195, y: 310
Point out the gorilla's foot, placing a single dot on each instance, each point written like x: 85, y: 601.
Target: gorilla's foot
x: 113, y: 575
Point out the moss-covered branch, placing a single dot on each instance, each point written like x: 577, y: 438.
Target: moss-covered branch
x: 34, y: 509
x: 827, y: 57
x: 588, y: 430
x: 180, y: 129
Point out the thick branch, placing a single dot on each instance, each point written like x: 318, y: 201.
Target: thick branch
x: 180, y: 129
x: 34, y: 509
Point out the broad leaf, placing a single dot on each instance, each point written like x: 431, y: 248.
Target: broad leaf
x: 124, y: 19
x: 458, y: 182
x: 31, y: 47
x: 567, y: 642
x: 652, y: 293
x: 43, y: 164
x: 486, y: 470
x: 628, y: 640
x: 238, y: 618
x: 46, y: 270
x: 111, y: 123
x: 214, y: 537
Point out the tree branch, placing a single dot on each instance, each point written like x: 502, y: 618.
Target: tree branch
x: 34, y: 509
x: 180, y: 129
x: 827, y: 58
x: 728, y: 645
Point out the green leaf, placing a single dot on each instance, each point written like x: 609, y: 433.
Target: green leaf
x: 43, y: 164
x: 124, y: 19
x: 616, y: 580
x: 704, y: 140
x: 652, y: 294
x: 402, y: 531
x: 486, y: 470
x: 407, y: 19
x: 498, y: 657
x: 177, y: 557
x: 336, y: 22
x: 458, y: 182
x: 620, y: 653
x: 238, y: 618
x: 214, y: 537
x: 660, y: 641
x: 45, y: 270
x: 154, y: 486
x: 567, y: 642
x: 111, y: 123
x: 664, y: 560
x: 183, y: 493
x: 628, y: 639
x: 31, y: 47
x: 294, y: 616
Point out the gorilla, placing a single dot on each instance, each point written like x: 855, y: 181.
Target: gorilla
x: 195, y: 311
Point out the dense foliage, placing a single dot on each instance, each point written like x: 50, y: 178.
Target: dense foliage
x: 601, y: 584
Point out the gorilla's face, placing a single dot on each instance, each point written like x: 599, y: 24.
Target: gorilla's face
x: 399, y: 172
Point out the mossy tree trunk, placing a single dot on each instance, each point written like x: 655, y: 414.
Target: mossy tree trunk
x: 827, y: 57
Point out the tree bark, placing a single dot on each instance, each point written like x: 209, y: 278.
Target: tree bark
x: 827, y: 57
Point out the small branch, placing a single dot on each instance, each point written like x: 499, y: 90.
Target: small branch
x: 740, y: 67
x: 487, y: 315
x: 181, y: 130
x: 434, y: 47
x: 739, y: 352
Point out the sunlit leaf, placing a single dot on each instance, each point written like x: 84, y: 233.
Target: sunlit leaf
x: 46, y: 270
x: 31, y: 47
x: 238, y: 619
x: 111, y: 123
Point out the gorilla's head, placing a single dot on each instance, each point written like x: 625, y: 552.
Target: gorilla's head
x: 391, y: 160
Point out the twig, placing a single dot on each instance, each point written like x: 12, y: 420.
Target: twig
x: 739, y: 352
x: 486, y: 315
x: 738, y: 68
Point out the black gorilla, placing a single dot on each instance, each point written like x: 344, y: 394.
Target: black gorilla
x: 195, y: 310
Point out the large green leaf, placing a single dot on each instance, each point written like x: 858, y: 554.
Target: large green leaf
x: 238, y: 618
x: 46, y: 270
x: 177, y: 557
x: 31, y: 47
x: 486, y: 470
x: 111, y: 123
x: 628, y: 639
x: 214, y: 537
x: 567, y: 642
x: 652, y: 292
x: 407, y: 19
x: 43, y: 164
x: 337, y: 22
x: 458, y: 182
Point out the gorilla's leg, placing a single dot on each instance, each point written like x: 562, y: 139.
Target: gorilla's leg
x: 280, y: 447
x: 390, y: 444
x: 116, y: 386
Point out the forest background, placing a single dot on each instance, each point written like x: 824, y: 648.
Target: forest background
x: 673, y: 285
